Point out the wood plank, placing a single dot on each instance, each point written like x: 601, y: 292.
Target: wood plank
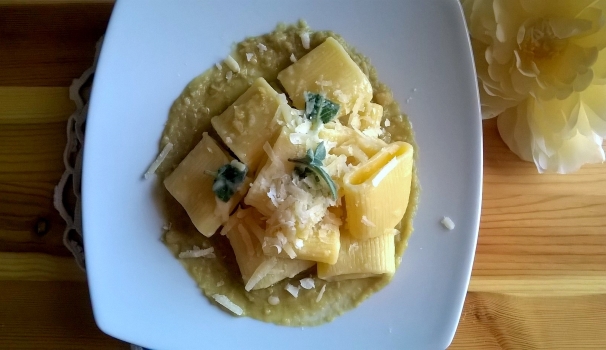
x: 49, y: 315
x: 23, y: 207
x: 49, y: 43
x: 543, y: 286
x: 38, y: 267
x: 539, y: 234
x: 494, y: 321
x: 33, y: 133
x: 29, y: 105
x: 57, y: 315
x: 506, y: 174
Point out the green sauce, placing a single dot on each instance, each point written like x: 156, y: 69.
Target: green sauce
x: 210, y: 94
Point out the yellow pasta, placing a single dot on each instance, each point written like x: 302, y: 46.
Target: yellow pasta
x: 275, y: 167
x: 361, y: 258
x: 376, y: 193
x: 258, y: 270
x: 327, y: 69
x: 357, y: 146
x: 371, y: 115
x: 321, y: 245
x: 250, y: 122
x: 192, y: 187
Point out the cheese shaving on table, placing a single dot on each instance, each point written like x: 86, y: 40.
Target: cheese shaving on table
x: 232, y: 64
x: 196, y: 252
x: 228, y: 304
x: 384, y: 171
x: 305, y: 40
x: 156, y: 163
x: 307, y: 283
x: 292, y: 290
x: 448, y: 223
x: 260, y: 273
x: 321, y: 294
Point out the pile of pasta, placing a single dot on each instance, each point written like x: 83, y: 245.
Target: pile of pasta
x: 311, y: 182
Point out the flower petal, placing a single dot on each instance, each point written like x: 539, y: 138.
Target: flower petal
x: 515, y: 132
x: 594, y: 101
x: 564, y: 28
x: 492, y: 106
x: 575, y: 152
x: 599, y: 68
x: 596, y: 37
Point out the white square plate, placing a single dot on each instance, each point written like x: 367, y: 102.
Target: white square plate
x: 141, y: 294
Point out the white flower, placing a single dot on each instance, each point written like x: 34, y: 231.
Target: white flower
x: 558, y: 135
x: 541, y: 66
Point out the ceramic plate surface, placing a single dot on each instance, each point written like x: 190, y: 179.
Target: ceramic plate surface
x: 152, y: 49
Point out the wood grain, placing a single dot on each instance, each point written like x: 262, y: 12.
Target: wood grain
x: 38, y: 267
x: 49, y: 315
x: 48, y: 43
x: 540, y: 234
x: 539, y: 278
x: 496, y: 321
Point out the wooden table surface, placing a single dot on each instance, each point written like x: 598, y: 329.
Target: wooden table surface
x: 539, y: 278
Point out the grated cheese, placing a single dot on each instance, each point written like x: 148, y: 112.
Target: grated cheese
x: 220, y: 283
x: 448, y: 223
x: 219, y: 67
x: 307, y: 283
x: 221, y: 209
x: 293, y: 59
x: 353, y: 247
x: 273, y: 300
x: 323, y: 82
x: 232, y: 64
x: 367, y: 222
x: 319, y: 297
x: 228, y: 226
x: 238, y: 165
x: 229, y: 75
x: 228, y: 140
x: 156, y: 163
x: 270, y: 154
x: 249, y: 56
x: 294, y: 291
x: 228, y: 304
x: 261, y: 47
x: 167, y: 226
x: 305, y: 40
x: 384, y: 171
x: 196, y: 252
x: 387, y: 122
x: 255, y: 228
x: 247, y: 241
x: 298, y: 243
x: 289, y: 251
x: 261, y: 271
